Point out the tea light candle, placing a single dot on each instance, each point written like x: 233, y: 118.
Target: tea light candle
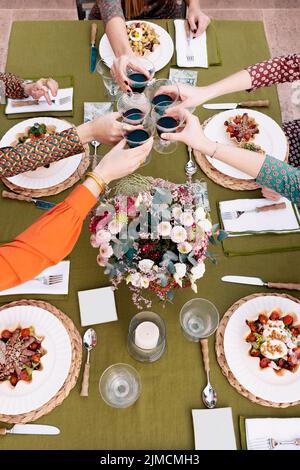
x: 146, y: 335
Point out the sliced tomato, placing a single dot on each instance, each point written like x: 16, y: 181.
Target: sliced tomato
x: 263, y: 319
x: 281, y: 363
x: 6, y: 334
x: 13, y: 380
x: 295, y: 331
x: 252, y: 326
x: 25, y: 376
x: 288, y: 320
x: 25, y: 333
x: 254, y: 353
x: 264, y: 362
x: 36, y: 357
x: 274, y: 315
x: 251, y: 338
x: 34, y: 346
x: 297, y: 351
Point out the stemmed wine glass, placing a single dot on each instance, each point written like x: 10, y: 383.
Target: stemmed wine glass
x: 138, y: 81
x: 157, y: 95
x: 120, y: 385
x: 139, y: 134
x: 165, y: 123
x: 109, y: 82
x: 134, y: 107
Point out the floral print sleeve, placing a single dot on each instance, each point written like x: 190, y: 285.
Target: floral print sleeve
x: 31, y: 155
x: 107, y: 9
x: 13, y: 85
x: 281, y: 177
x: 273, y: 71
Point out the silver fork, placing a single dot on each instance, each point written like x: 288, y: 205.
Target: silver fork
x: 189, y: 52
x: 265, y: 443
x: 62, y: 101
x: 236, y: 214
x: 50, y: 280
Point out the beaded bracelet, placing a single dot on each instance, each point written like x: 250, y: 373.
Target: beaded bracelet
x: 100, y: 182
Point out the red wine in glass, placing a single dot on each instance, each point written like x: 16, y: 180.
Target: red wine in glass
x: 139, y: 81
x: 134, y: 115
x: 137, y: 137
x: 166, y: 124
x: 162, y: 98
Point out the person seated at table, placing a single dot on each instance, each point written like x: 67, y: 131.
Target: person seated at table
x: 269, y: 72
x: 112, y: 13
x: 52, y: 237
x: 18, y: 88
x: 268, y: 171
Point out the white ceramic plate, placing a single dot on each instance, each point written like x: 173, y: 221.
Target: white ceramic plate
x: 160, y: 57
x: 28, y: 396
x: 271, y: 138
x: 42, y: 178
x: 263, y: 383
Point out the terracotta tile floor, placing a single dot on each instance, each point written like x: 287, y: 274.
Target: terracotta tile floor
x: 281, y: 19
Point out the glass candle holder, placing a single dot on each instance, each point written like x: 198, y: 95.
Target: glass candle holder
x: 146, y: 337
x: 199, y: 318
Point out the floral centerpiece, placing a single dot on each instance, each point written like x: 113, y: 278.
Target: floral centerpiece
x: 154, y: 235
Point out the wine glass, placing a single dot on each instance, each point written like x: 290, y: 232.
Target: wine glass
x: 138, y: 81
x: 139, y: 134
x: 133, y: 107
x: 165, y: 123
x: 158, y: 97
x: 109, y: 82
x: 199, y: 318
x: 120, y: 385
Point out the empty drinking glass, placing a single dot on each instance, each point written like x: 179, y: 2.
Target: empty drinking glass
x: 109, y: 82
x: 199, y: 318
x: 120, y: 385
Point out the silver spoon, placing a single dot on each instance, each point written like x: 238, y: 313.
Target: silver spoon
x: 90, y: 342
x: 209, y: 395
x: 190, y: 167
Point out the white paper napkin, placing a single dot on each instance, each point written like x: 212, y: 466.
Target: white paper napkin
x: 97, y: 306
x: 283, y: 220
x: 283, y: 429
x: 213, y: 429
x: 43, y: 106
x: 198, y: 47
x: 37, y: 287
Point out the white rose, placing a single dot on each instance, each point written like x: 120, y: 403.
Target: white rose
x: 105, y: 250
x: 178, y: 234
x: 164, y: 229
x: 180, y: 269
x: 187, y: 219
x: 200, y: 214
x: 205, y: 225
x: 146, y: 265
x: 138, y: 280
x: 176, y: 212
x: 184, y: 247
x: 198, y: 270
x: 114, y: 226
x: 103, y: 236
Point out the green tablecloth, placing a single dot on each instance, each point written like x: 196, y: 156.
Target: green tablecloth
x: 161, y: 419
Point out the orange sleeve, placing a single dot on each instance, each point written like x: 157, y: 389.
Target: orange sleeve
x: 50, y: 239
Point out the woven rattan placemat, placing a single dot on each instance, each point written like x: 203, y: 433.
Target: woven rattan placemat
x: 76, y: 346
x: 222, y: 359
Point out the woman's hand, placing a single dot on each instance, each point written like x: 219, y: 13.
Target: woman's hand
x: 192, y: 134
x: 120, y: 162
x: 42, y: 88
x: 106, y: 129
x: 120, y: 66
x: 270, y: 194
x: 198, y: 21
x: 189, y: 95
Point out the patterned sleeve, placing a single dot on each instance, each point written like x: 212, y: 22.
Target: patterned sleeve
x: 281, y: 177
x: 273, y: 71
x: 108, y: 9
x: 13, y: 85
x: 31, y: 155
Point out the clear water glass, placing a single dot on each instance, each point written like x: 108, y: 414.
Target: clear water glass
x: 109, y: 82
x: 120, y: 385
x: 199, y: 318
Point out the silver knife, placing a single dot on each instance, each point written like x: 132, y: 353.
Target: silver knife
x: 257, y: 281
x: 242, y: 104
x: 30, y: 429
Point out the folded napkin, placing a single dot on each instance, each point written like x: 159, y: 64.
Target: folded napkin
x: 213, y: 429
x: 37, y: 287
x: 64, y: 83
x: 198, y: 47
x: 283, y: 429
x: 280, y: 221
x: 97, y: 306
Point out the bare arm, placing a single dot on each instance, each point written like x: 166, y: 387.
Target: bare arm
x: 117, y: 35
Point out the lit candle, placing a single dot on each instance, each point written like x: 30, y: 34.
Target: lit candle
x: 146, y: 335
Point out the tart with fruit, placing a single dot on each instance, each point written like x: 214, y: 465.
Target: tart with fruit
x: 241, y: 128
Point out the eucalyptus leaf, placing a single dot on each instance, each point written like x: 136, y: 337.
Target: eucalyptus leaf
x: 222, y: 235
